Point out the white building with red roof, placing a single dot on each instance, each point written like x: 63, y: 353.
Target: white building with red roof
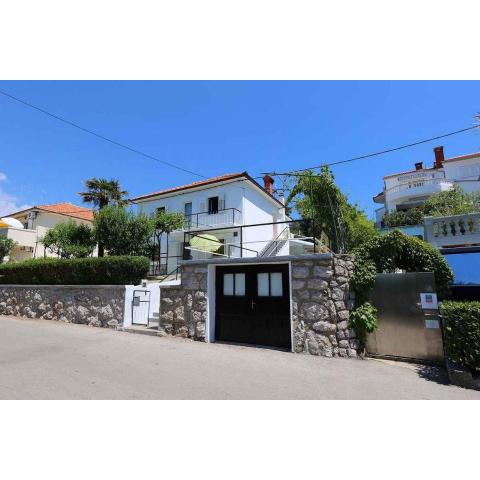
x: 27, y: 227
x: 243, y: 217
x: 405, y: 190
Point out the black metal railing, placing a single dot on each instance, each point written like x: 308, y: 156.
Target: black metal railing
x: 200, y: 219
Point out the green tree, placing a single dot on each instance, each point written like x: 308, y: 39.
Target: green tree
x: 452, y: 202
x: 70, y: 240
x: 122, y: 232
x: 317, y: 198
x: 101, y: 193
x: 6, y: 246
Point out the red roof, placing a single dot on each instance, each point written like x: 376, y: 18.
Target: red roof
x: 64, y: 208
x: 463, y: 157
x: 202, y: 183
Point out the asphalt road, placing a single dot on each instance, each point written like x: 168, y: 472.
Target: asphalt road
x: 42, y: 359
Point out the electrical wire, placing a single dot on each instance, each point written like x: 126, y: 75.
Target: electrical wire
x: 98, y: 135
x: 361, y: 157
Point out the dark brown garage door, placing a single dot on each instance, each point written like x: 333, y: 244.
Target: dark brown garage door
x: 253, y: 305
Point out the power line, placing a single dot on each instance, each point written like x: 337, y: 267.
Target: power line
x: 293, y: 172
x: 98, y: 135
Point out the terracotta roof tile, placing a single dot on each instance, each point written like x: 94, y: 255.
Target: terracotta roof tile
x: 63, y: 208
x: 200, y: 183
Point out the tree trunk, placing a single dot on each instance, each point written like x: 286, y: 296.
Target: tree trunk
x: 101, y: 249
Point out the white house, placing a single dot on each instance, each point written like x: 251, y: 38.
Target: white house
x: 241, y: 217
x: 405, y: 190
x: 27, y: 227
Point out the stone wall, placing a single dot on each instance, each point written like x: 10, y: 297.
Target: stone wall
x: 97, y: 305
x: 321, y: 305
x: 183, y: 308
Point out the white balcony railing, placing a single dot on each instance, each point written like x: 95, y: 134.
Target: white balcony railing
x: 453, y: 231
x: 419, y: 188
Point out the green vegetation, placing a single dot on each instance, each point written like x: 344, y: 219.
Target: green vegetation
x: 388, y: 253
x: 400, y: 218
x: 442, y: 204
x: 70, y: 239
x: 462, y: 333
x: 102, y: 193
x: 6, y: 246
x: 168, y: 222
x: 76, y: 271
x: 316, y: 196
x: 451, y: 202
x: 364, y: 320
x: 122, y: 232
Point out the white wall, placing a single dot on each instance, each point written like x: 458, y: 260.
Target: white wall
x: 468, y: 169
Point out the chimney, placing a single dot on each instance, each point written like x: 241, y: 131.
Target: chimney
x: 439, y: 157
x: 419, y: 166
x: 268, y: 184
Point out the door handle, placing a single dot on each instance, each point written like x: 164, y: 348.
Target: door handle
x: 252, y: 304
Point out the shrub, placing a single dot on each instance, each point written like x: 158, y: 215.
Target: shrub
x: 76, y: 271
x: 122, y: 232
x: 462, y: 332
x: 364, y: 320
x: 399, y: 218
x: 6, y: 246
x: 69, y: 239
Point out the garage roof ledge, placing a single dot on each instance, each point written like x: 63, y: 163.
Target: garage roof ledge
x: 278, y: 259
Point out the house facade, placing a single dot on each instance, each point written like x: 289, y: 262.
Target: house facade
x: 27, y: 227
x: 402, y: 191
x: 240, y: 216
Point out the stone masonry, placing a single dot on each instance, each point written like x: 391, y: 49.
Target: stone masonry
x: 321, y: 305
x: 96, y: 305
x: 183, y: 308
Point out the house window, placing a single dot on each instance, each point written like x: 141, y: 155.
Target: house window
x: 212, y: 205
x: 234, y: 284
x: 270, y: 284
x: 160, y: 209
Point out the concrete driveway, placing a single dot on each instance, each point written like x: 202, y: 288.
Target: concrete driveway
x: 42, y: 359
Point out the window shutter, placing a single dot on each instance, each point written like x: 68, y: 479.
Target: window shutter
x: 203, y: 205
x: 221, y: 202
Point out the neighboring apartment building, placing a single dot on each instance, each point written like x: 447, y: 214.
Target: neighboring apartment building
x: 30, y: 225
x: 230, y: 210
x: 405, y: 190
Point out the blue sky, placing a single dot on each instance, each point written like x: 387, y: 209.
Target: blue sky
x: 220, y: 127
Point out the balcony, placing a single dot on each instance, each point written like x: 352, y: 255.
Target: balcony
x: 453, y: 231
x: 418, y: 189
x: 222, y: 218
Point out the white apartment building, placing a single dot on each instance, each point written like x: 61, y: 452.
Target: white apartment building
x: 405, y: 190
x: 234, y: 210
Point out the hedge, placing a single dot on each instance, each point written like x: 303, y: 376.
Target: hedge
x: 462, y: 332
x: 113, y: 270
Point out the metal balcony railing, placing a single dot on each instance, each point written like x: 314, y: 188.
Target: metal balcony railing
x: 453, y: 231
x: 223, y: 217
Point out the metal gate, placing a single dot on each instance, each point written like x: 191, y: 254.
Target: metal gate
x: 405, y: 329
x: 141, y: 307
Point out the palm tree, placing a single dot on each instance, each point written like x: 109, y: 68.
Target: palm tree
x: 101, y: 193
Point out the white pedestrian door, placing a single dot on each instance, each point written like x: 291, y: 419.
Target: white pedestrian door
x: 140, y: 307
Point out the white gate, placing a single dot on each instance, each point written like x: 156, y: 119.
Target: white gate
x: 140, y: 307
